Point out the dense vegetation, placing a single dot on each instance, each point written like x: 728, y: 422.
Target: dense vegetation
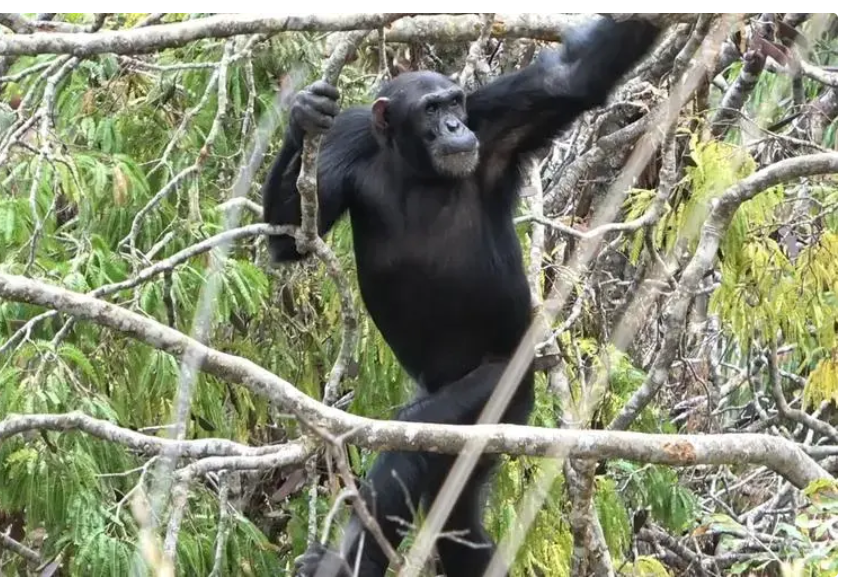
x: 109, y: 163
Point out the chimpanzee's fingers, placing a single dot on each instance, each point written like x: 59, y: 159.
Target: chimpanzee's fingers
x: 324, y: 105
x: 325, y: 89
x: 323, y: 122
x: 312, y: 120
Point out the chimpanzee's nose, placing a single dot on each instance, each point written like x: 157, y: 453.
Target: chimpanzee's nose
x: 452, y: 124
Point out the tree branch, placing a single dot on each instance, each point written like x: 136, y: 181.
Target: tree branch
x: 722, y: 210
x: 445, y: 27
x: 162, y: 36
x: 307, y: 236
x: 787, y: 411
x: 32, y: 556
x: 776, y: 453
x: 165, y: 265
x: 289, y: 454
x: 740, y: 89
x: 150, y: 445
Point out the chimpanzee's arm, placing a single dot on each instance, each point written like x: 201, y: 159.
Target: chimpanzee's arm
x: 281, y: 204
x: 523, y: 111
x: 281, y: 200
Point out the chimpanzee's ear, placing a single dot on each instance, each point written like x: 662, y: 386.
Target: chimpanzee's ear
x: 380, y: 120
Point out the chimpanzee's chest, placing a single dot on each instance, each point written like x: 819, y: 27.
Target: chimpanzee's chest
x: 437, y: 233
x: 441, y: 274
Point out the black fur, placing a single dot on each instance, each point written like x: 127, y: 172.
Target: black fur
x: 439, y: 264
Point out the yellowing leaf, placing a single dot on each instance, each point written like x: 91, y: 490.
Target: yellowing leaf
x: 823, y: 383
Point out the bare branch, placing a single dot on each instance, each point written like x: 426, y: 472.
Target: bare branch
x: 448, y: 28
x: 149, y: 445
x: 243, y: 203
x: 475, y: 71
x: 733, y: 100
x: 32, y: 556
x: 451, y: 28
x: 781, y: 455
x: 15, y: 22
x: 792, y: 413
x: 20, y: 24
x: 223, y: 521
x: 163, y: 36
x: 307, y: 237
x: 290, y: 454
x: 818, y: 74
x: 338, y: 452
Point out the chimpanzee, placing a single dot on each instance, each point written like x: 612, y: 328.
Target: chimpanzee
x: 430, y: 179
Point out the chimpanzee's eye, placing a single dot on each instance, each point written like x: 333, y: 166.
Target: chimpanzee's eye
x: 432, y: 108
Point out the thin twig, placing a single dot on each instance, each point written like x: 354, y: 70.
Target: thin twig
x: 787, y: 411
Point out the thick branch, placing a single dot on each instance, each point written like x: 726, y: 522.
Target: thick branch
x: 32, y: 556
x: 779, y: 454
x: 21, y: 25
x: 447, y: 28
x: 468, y: 27
x: 818, y: 74
x: 740, y: 89
x: 149, y: 445
x: 285, y: 455
x: 163, y: 36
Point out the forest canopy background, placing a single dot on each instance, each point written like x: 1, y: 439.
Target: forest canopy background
x: 159, y: 377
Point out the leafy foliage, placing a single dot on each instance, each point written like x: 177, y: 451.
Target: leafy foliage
x: 121, y: 129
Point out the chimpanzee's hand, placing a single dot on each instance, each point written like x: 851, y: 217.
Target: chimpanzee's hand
x: 618, y: 44
x: 315, y: 108
x: 594, y: 57
x: 318, y: 560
